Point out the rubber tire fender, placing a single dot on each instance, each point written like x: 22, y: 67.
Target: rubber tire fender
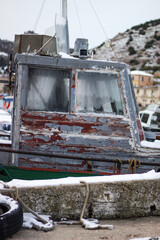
x: 12, y: 219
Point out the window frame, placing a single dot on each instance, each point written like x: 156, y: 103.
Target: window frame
x: 72, y: 90
x: 119, y: 88
x: 50, y: 69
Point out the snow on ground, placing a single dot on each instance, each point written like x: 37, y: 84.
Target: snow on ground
x: 30, y: 221
x: 155, y: 144
x: 76, y: 180
x: 94, y: 224
x: 9, y: 201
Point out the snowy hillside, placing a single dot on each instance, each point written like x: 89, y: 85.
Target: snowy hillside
x: 138, y: 46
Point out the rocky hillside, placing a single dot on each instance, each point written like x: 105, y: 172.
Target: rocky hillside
x: 139, y: 47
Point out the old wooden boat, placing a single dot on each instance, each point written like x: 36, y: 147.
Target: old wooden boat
x: 74, y: 116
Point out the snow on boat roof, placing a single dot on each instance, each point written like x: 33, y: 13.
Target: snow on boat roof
x: 65, y: 55
x: 76, y: 180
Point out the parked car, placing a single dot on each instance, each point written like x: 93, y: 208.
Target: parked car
x: 153, y: 107
x: 150, y: 119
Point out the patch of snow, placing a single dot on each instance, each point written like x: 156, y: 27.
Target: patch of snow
x: 65, y: 55
x: 5, y: 141
x: 155, y: 144
x: 5, y: 116
x: 94, y: 224
x: 30, y: 221
x: 76, y: 180
x: 65, y: 221
x: 4, y: 54
x: 9, y: 201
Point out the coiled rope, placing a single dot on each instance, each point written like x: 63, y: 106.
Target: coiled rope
x: 91, y: 223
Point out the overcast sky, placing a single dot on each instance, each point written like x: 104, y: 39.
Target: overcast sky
x: 18, y: 16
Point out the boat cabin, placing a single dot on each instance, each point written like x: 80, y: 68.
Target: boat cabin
x: 74, y: 107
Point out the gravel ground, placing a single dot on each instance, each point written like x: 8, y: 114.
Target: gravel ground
x: 124, y: 229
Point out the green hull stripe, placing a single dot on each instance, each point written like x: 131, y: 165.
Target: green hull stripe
x: 8, y: 173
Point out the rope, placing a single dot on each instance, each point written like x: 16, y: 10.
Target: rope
x: 102, y: 27
x: 14, y: 194
x: 133, y: 163
x: 86, y: 200
x: 45, y: 44
x: 88, y: 224
x: 120, y: 161
x: 115, y: 168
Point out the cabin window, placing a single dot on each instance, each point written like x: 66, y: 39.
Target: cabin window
x: 145, y: 118
x: 48, y: 90
x: 98, y: 93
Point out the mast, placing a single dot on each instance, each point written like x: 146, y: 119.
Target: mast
x: 65, y: 15
x: 64, y: 9
x: 62, y: 33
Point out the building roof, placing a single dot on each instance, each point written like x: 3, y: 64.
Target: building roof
x: 141, y: 73
x: 148, y: 86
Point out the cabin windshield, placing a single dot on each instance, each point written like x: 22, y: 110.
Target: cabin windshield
x: 48, y: 90
x: 98, y: 93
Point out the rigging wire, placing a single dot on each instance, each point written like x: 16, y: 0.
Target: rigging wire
x: 78, y: 18
x: 101, y: 26
x: 98, y: 19
x: 39, y: 15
